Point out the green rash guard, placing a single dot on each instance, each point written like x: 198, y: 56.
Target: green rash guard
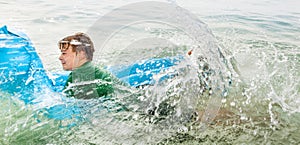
x: 88, y: 81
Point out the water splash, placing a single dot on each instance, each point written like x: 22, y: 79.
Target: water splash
x: 263, y: 106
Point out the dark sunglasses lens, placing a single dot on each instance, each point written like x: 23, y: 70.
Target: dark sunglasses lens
x: 63, y: 46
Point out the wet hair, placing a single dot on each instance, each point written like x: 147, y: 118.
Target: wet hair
x: 87, y: 44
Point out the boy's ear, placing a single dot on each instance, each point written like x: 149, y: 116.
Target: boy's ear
x: 81, y: 54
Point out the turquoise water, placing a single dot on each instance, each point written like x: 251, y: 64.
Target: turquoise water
x: 262, y: 105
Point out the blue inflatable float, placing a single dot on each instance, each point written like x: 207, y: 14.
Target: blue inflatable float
x: 23, y: 74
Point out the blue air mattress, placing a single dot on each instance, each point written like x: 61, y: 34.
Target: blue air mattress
x: 23, y: 74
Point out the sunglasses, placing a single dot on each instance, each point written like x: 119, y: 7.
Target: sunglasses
x: 64, y: 45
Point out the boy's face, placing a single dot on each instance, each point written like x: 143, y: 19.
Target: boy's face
x: 67, y: 59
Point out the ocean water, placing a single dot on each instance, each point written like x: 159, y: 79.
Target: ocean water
x: 259, y: 39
